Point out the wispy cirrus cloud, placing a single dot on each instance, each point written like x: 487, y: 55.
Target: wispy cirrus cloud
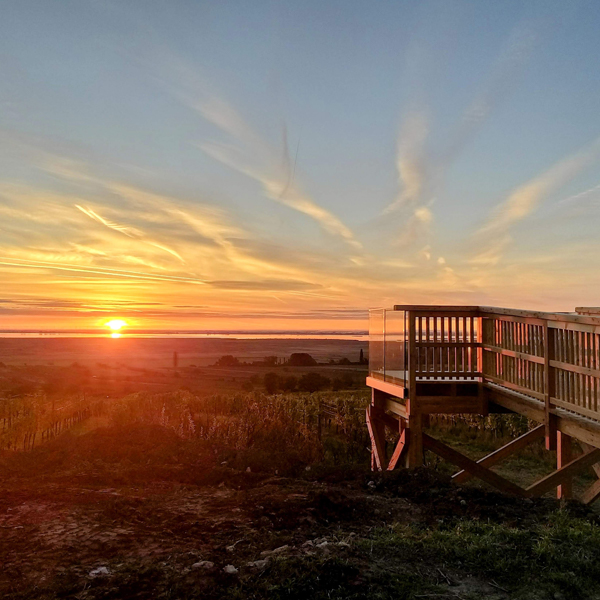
x: 421, y: 169
x: 279, y: 187
x: 128, y: 231
x: 55, y: 265
x: 249, y: 154
x: 494, y: 236
x: 224, y: 257
x: 411, y: 162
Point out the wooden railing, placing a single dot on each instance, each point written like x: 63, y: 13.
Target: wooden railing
x: 551, y: 357
x: 575, y: 364
x: 446, y: 344
x: 514, y: 353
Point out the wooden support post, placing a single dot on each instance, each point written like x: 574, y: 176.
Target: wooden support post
x: 414, y: 457
x: 563, y: 458
x: 549, y: 385
x: 414, y: 423
x: 502, y: 453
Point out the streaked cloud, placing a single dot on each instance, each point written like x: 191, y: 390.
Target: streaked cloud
x: 421, y: 169
x: 247, y: 152
x: 494, y: 236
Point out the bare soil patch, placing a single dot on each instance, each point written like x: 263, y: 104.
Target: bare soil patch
x: 138, y: 513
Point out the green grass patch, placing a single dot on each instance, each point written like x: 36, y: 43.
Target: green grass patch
x: 558, y: 556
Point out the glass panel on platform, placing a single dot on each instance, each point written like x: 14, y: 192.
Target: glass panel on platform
x: 376, y: 353
x: 395, y: 354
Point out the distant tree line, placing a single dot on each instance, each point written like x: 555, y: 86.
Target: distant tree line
x: 308, y: 382
x: 296, y: 359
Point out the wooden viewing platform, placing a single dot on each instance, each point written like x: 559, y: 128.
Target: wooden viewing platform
x: 427, y: 360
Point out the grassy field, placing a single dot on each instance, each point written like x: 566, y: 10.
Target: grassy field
x: 184, y: 492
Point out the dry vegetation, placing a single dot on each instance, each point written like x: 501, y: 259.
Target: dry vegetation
x: 184, y: 494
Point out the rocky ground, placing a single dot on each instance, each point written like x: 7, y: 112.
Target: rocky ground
x: 137, y: 513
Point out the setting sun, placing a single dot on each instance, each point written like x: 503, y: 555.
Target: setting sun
x: 116, y: 324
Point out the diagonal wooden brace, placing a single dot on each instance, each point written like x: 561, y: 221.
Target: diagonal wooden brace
x: 561, y: 475
x: 401, y: 446
x: 376, y: 433
x: 502, y: 453
x: 587, y: 448
x: 472, y: 467
x: 592, y: 493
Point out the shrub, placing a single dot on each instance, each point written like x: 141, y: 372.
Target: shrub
x: 227, y: 361
x: 313, y: 382
x: 289, y: 384
x: 271, y: 381
x: 301, y: 359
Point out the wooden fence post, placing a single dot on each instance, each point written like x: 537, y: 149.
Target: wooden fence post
x: 563, y: 457
x: 414, y: 423
x: 549, y: 385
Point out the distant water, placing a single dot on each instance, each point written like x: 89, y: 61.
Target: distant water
x: 311, y: 335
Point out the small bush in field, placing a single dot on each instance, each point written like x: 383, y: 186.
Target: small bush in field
x: 337, y: 384
x: 271, y: 381
x: 313, y: 382
x: 289, y: 384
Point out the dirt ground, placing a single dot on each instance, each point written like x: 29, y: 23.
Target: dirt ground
x: 139, y: 513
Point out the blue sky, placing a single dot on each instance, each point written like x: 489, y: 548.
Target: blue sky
x: 289, y: 164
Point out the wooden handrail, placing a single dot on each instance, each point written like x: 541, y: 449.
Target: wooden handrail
x: 562, y: 317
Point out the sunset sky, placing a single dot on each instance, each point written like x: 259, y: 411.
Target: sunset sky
x: 287, y: 165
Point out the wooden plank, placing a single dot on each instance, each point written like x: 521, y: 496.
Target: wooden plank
x: 448, y: 376
x: 414, y: 457
x: 563, y: 458
x: 471, y: 466
x: 450, y: 405
x: 495, y: 457
x: 399, y: 450
x: 515, y: 402
x: 575, y: 368
x: 581, y: 429
x: 592, y: 414
x: 515, y: 315
x: 448, y: 345
x: 389, y: 421
x: 592, y: 493
x: 395, y: 407
x: 587, y: 448
x: 412, y: 358
x: 515, y: 387
x: 588, y: 310
x: 428, y: 309
x: 549, y: 388
x: 515, y: 354
x: 378, y: 457
x: 531, y: 315
x: 393, y: 389
x: 561, y: 475
x: 590, y: 327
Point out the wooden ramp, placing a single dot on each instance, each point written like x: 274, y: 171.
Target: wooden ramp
x: 427, y: 360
